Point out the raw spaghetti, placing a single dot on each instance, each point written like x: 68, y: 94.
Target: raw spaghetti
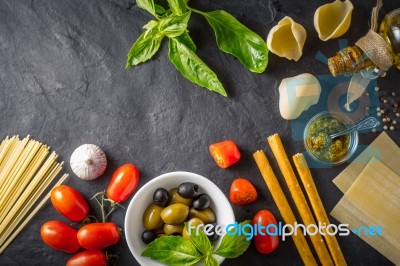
x: 27, y: 170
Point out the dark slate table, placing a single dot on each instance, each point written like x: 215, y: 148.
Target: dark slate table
x: 62, y: 80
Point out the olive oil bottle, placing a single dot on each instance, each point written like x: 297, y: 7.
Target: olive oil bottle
x: 375, y: 53
x: 390, y: 32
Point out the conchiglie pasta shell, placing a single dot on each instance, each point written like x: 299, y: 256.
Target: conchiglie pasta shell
x: 287, y: 39
x: 333, y: 20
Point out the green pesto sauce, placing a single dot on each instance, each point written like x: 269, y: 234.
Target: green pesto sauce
x: 318, y: 139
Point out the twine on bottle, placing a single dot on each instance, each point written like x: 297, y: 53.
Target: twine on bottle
x: 375, y: 15
x: 373, y: 45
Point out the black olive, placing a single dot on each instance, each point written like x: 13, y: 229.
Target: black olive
x: 212, y: 236
x: 161, y: 197
x: 201, y: 202
x: 188, y: 190
x: 148, y: 236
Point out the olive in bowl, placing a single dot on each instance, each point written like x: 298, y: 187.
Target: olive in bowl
x: 161, y: 197
x: 183, y: 205
x: 134, y: 227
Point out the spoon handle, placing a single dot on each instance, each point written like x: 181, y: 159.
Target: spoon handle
x: 368, y: 123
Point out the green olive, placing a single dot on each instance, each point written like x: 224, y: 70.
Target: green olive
x: 175, y: 198
x: 171, y: 229
x: 206, y: 215
x: 175, y: 213
x: 194, y: 222
x: 152, y: 217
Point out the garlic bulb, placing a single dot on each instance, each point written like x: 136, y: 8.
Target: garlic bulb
x: 88, y: 162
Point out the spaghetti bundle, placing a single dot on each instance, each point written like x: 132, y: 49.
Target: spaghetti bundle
x: 27, y: 169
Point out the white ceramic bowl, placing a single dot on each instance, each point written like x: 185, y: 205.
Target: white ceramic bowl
x: 143, y: 197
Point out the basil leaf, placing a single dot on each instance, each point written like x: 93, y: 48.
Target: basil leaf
x: 186, y: 40
x: 160, y: 10
x: 147, y: 5
x: 178, y: 7
x: 173, y: 250
x: 145, y: 47
x: 173, y: 26
x: 150, y: 25
x: 233, y: 246
x: 236, y: 39
x: 192, y: 68
x: 200, y: 240
x: 210, y: 261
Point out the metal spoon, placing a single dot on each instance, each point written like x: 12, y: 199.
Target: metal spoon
x: 367, y: 123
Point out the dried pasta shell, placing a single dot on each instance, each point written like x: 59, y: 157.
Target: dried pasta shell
x: 287, y: 39
x: 333, y: 20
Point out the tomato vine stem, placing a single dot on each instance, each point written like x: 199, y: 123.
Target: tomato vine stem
x: 103, y: 198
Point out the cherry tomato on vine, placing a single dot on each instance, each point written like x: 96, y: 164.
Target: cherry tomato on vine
x: 69, y: 202
x: 60, y: 235
x: 242, y: 192
x: 270, y: 241
x: 97, y: 236
x: 88, y: 258
x: 124, y: 182
x: 225, y: 153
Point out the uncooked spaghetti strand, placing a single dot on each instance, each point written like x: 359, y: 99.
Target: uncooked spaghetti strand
x: 8, y: 150
x: 10, y: 164
x: 39, y: 152
x: 27, y: 200
x: 37, y: 162
x: 2, y: 149
x: 14, y: 154
x: 19, y: 216
x: 17, y: 182
x: 3, y: 246
x: 8, y: 143
x: 36, y: 179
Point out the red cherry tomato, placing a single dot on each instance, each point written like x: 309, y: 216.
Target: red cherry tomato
x: 88, y: 258
x: 97, y: 236
x: 69, y: 202
x: 60, y: 235
x: 265, y: 243
x: 123, y: 183
x: 225, y: 153
x: 242, y: 192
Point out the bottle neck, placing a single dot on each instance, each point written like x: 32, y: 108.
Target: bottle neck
x: 349, y: 60
x: 377, y: 49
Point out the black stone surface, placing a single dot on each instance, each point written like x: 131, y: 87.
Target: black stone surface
x: 62, y: 80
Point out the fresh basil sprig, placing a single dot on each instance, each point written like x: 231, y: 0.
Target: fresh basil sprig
x: 173, y: 250
x: 235, y: 39
x: 176, y: 250
x: 192, y: 67
x: 233, y: 246
x: 232, y: 37
x: 145, y: 46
